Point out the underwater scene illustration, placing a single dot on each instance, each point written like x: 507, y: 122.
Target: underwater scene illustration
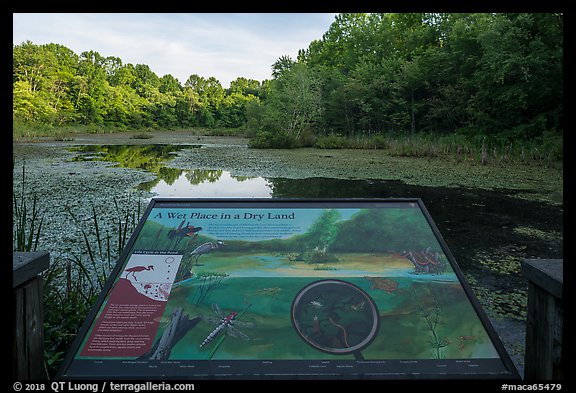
x: 302, y: 284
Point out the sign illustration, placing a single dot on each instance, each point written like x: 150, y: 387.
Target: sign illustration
x: 334, y: 288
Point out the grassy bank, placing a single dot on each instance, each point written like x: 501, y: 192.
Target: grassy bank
x: 546, y: 151
x: 549, y: 150
x: 69, y: 132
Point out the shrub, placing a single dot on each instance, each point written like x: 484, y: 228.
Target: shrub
x: 274, y: 140
x: 331, y: 142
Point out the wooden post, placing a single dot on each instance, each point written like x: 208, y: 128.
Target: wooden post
x: 28, y: 321
x: 543, y: 353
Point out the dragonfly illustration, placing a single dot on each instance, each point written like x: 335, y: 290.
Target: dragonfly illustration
x: 226, y: 323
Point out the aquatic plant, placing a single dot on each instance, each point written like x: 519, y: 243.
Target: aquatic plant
x: 142, y: 135
x: 74, y: 280
x: 101, y: 258
x: 498, y: 304
x: 325, y: 268
x: 501, y: 260
x: 208, y: 282
x: 538, y: 233
x: 26, y: 223
x: 318, y: 256
x: 432, y: 317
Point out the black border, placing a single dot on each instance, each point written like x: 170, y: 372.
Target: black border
x: 512, y: 373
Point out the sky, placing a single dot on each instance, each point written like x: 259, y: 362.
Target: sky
x: 223, y: 45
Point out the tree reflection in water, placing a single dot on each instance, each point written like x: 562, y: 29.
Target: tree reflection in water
x: 174, y: 182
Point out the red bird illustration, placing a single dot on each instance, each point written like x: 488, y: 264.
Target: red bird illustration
x: 184, y: 231
x: 137, y: 269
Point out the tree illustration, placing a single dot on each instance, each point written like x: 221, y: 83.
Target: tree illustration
x: 320, y: 236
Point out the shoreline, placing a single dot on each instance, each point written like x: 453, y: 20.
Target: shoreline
x: 232, y: 154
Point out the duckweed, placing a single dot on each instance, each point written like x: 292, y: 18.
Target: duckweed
x: 500, y: 304
x: 499, y: 262
x: 538, y: 233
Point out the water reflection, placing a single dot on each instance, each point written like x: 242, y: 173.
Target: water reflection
x: 148, y: 157
x: 174, y: 182
x: 464, y: 216
x: 479, y: 226
x: 200, y: 183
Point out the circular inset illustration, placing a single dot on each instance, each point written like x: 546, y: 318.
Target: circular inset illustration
x: 169, y: 260
x: 335, y: 316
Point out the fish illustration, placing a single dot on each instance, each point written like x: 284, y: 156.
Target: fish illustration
x: 385, y: 284
x: 357, y: 307
x: 269, y: 292
x: 316, y: 325
x: 463, y: 340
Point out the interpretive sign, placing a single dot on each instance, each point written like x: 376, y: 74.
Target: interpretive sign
x: 272, y: 288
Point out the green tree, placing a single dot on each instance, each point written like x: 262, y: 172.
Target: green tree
x: 42, y: 76
x: 91, y: 102
x: 169, y: 85
x: 146, y: 82
x: 282, y: 65
x: 492, y: 76
x: 210, y: 96
x: 519, y: 77
x: 295, y: 102
x: 232, y: 111
x: 245, y: 87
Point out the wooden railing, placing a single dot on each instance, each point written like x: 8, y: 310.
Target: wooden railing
x: 543, y: 351
x: 28, y: 320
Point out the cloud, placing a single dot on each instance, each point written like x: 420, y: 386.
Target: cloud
x: 225, y: 46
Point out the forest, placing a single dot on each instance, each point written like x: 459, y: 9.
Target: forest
x: 495, y: 77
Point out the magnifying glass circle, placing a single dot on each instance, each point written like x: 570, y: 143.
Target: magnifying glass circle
x: 335, y: 316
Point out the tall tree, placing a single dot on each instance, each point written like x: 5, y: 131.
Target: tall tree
x: 295, y: 102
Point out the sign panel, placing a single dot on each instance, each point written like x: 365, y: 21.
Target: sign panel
x: 268, y: 288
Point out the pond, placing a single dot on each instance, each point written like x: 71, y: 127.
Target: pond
x: 173, y: 182
x: 203, y: 183
x: 488, y: 229
x: 482, y: 227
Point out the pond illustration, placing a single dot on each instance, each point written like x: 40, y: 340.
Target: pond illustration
x: 285, y: 284
x: 391, y: 287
